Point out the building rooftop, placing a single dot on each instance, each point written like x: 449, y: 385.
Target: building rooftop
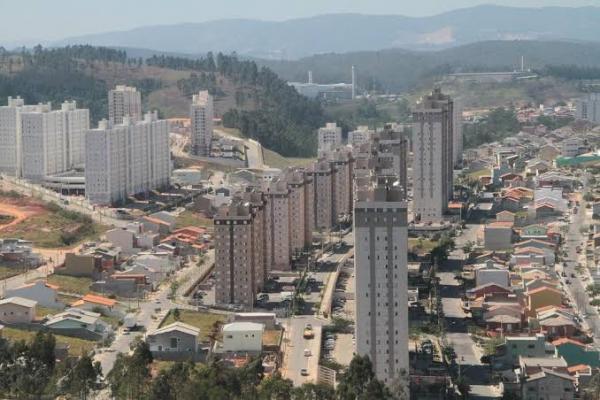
x: 177, y: 326
x: 243, y: 327
x: 20, y: 301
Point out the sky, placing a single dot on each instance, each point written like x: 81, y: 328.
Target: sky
x: 28, y: 21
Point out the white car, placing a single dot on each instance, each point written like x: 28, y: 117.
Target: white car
x: 307, y: 353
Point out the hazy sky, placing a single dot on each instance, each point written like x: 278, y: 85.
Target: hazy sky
x: 28, y: 20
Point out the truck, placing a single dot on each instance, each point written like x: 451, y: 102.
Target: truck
x: 130, y: 322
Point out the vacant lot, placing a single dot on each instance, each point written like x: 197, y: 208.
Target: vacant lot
x: 204, y: 321
x: 190, y: 218
x: 71, y: 284
x: 77, y: 346
x: 45, y: 224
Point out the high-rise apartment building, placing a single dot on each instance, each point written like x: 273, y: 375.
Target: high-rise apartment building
x: 201, y: 116
x: 433, y: 156
x: 124, y: 101
x: 126, y: 159
x: 278, y: 195
x: 361, y: 135
x: 457, y: 145
x: 36, y: 141
x: 238, y: 248
x: 381, y: 241
x: 587, y: 108
x: 329, y: 138
x: 296, y: 180
x: 341, y: 180
x: 391, y: 158
x: 322, y: 201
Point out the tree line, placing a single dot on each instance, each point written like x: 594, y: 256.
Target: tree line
x: 29, y: 370
x: 131, y: 378
x: 499, y: 124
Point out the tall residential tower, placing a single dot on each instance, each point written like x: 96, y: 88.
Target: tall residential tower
x: 201, y: 116
x: 433, y: 126
x: 124, y: 101
x: 381, y: 241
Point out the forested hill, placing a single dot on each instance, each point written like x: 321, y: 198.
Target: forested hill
x: 398, y: 70
x: 248, y: 97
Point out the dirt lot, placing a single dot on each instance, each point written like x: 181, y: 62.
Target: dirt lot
x: 46, y: 225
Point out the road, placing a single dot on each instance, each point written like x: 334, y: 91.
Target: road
x: 295, y: 344
x: 576, y: 288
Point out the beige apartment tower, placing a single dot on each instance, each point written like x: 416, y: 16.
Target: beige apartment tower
x: 124, y: 101
x: 237, y: 254
x: 321, y: 175
x: 278, y: 194
x: 433, y: 162
x: 296, y: 181
x: 381, y: 241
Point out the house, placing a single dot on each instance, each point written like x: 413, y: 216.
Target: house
x: 535, y: 231
x: 532, y: 256
x: 242, y: 337
x: 503, y: 318
x: 132, y: 238
x: 526, y: 346
x: 497, y: 235
x: 188, y: 240
x: 547, y: 384
x: 488, y: 288
x: 100, y: 304
x: 542, y: 297
x: 492, y: 273
x: 548, y: 152
x: 575, y: 352
x: 79, y: 323
x: 505, y: 216
x: 40, y: 291
x: 166, y: 217
x: 176, y: 341
x: 556, y: 322
x: 17, y: 310
x: 82, y: 265
x: 156, y: 225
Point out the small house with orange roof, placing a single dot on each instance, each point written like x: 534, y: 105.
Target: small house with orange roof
x: 95, y: 303
x: 188, y: 240
x: 41, y: 291
x: 542, y: 297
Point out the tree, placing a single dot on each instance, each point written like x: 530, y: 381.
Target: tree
x: 463, y: 387
x: 176, y: 314
x: 275, y: 388
x: 311, y: 391
x: 359, y: 382
x: 82, y: 378
x: 129, y: 377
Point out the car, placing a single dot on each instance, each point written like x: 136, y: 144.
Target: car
x: 568, y: 282
x: 303, y: 371
x: 308, y: 326
x: 572, y: 275
x: 307, y: 353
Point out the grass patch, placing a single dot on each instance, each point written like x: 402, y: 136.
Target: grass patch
x: 77, y: 346
x: 41, y: 311
x: 203, y: 321
x: 276, y: 160
x: 71, y: 284
x: 7, y: 272
x: 475, y: 175
x: 425, y: 244
x: 190, y: 218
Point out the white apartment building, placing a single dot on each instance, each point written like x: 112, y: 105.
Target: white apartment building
x: 361, y: 135
x: 124, y: 101
x: 587, y: 108
x: 52, y: 141
x: 126, y: 159
x: 329, y: 138
x: 432, y: 163
x: 381, y: 241
x: 201, y: 116
x: 36, y: 142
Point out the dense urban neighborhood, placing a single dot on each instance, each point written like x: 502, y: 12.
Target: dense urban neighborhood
x: 196, y: 227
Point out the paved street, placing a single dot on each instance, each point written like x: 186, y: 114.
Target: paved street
x: 294, y: 358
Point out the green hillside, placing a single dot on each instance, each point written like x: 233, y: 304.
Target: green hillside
x: 247, y: 97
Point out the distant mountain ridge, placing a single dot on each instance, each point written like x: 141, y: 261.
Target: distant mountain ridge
x: 342, y: 33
